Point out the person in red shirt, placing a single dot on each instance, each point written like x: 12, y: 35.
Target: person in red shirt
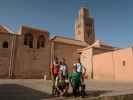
x: 55, y: 72
x: 55, y: 68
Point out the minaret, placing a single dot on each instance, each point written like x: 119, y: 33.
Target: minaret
x: 84, y: 27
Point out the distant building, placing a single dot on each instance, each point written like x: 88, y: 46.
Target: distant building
x: 29, y: 53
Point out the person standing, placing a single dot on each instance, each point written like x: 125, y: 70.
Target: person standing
x: 80, y: 69
x: 75, y: 80
x: 55, y: 68
x: 64, y: 68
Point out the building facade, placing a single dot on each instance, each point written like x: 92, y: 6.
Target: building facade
x: 29, y: 53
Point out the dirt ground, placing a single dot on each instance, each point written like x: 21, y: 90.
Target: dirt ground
x: 32, y: 89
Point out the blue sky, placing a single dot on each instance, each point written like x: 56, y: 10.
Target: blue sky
x: 113, y: 18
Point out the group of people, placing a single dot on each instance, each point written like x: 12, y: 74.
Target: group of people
x: 62, y: 77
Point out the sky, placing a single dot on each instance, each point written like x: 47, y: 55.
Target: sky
x: 113, y: 18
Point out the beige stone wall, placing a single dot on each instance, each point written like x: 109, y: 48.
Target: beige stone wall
x: 86, y: 60
x: 123, y: 64
x: 115, y: 65
x: 5, y: 55
x: 67, y: 51
x: 32, y: 62
x: 103, y: 66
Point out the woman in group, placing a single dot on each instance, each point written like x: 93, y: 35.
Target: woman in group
x: 55, y: 72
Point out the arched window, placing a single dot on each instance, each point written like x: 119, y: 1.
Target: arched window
x: 5, y: 44
x: 41, y: 42
x: 28, y: 40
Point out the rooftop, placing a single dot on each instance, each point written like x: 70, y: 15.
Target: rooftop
x: 5, y: 29
x: 67, y: 40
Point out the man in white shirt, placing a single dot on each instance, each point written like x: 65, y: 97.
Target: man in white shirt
x: 80, y: 69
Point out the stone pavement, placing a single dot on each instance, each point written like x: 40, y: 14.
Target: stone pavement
x: 37, y: 89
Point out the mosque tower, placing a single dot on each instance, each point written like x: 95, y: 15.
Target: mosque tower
x: 84, y: 27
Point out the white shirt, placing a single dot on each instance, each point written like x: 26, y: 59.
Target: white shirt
x: 63, y: 69
x: 79, y: 67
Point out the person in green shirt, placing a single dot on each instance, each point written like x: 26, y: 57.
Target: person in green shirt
x: 75, y: 80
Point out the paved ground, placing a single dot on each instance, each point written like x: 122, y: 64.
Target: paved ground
x: 30, y: 89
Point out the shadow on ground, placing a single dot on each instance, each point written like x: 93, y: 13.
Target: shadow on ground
x: 19, y: 92
x: 95, y: 93
x: 90, y: 95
